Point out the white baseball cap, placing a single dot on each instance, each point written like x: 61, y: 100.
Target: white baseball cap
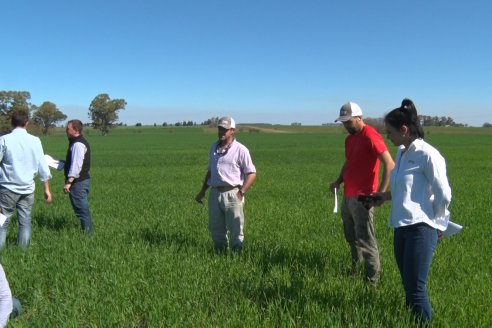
x: 348, y: 111
x: 227, y: 122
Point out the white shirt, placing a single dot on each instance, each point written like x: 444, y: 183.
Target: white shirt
x: 420, y: 189
x: 21, y: 159
x: 230, y: 167
x: 78, y: 153
x: 5, y: 299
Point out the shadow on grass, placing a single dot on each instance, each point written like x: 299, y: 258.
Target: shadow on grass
x: 289, y: 281
x: 269, y: 256
x: 179, y: 240
x: 54, y: 222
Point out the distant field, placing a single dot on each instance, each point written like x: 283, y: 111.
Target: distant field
x: 150, y: 262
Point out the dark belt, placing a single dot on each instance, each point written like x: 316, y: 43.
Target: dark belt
x: 225, y: 188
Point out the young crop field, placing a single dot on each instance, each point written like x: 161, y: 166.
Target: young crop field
x: 150, y: 262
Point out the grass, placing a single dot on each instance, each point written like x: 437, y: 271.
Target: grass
x: 150, y: 262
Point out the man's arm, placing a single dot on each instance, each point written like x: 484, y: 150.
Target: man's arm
x: 199, y: 197
x: 336, y: 184
x: 43, y: 168
x: 388, y: 166
x: 47, y: 191
x: 78, y: 154
x: 248, y: 181
x: 2, y: 149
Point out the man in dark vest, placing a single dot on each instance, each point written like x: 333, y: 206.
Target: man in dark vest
x: 77, y: 179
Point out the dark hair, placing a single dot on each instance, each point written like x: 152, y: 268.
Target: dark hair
x: 76, y: 125
x: 407, y: 115
x: 20, y: 118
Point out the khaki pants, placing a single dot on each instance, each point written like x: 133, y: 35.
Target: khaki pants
x: 225, y: 213
x: 359, y: 232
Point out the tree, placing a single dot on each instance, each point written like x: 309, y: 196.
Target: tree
x: 10, y: 101
x: 104, y: 112
x: 47, y: 115
x: 211, y: 122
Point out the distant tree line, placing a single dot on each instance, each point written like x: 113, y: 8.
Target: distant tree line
x: 103, y: 111
x: 424, y: 120
x: 438, y: 121
x: 212, y: 122
x: 43, y: 118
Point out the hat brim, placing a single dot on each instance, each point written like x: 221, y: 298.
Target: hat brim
x: 343, y: 118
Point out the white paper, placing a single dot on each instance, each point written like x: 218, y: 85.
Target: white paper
x: 56, y: 164
x: 453, y: 229
x: 335, y: 208
x: 2, y: 219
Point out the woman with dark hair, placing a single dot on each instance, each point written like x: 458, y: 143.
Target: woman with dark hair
x: 420, y: 195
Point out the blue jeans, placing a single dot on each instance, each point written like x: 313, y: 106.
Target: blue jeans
x: 79, y: 193
x: 9, y: 202
x: 16, y: 308
x: 414, y: 247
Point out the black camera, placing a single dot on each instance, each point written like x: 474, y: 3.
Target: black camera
x: 368, y: 199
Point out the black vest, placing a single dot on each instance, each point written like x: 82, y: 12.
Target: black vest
x: 86, y: 165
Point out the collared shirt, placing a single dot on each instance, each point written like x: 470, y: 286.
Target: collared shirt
x: 420, y: 189
x: 5, y: 299
x: 78, y: 153
x: 229, y: 168
x: 21, y: 159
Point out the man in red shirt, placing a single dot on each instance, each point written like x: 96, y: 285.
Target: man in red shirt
x: 364, y: 150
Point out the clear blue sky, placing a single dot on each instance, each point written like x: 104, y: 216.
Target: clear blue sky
x: 274, y: 61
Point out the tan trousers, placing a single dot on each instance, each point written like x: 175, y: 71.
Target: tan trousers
x: 359, y: 232
x: 225, y: 214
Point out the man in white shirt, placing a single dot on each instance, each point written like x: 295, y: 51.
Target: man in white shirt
x: 230, y: 174
x: 21, y: 159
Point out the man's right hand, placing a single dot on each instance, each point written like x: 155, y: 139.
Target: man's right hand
x: 47, y: 196
x: 66, y: 188
x: 199, y: 197
x: 334, y: 185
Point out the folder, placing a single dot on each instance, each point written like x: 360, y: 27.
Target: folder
x: 452, y: 229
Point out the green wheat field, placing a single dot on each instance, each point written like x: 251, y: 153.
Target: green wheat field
x: 150, y: 261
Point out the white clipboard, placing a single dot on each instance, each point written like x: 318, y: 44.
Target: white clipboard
x: 3, y: 218
x: 452, y: 229
x: 56, y: 164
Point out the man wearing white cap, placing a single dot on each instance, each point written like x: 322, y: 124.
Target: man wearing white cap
x: 364, y: 150
x: 230, y: 174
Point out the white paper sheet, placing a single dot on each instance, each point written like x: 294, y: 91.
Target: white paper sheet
x: 56, y: 164
x: 335, y: 208
x: 3, y: 218
x: 453, y: 229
